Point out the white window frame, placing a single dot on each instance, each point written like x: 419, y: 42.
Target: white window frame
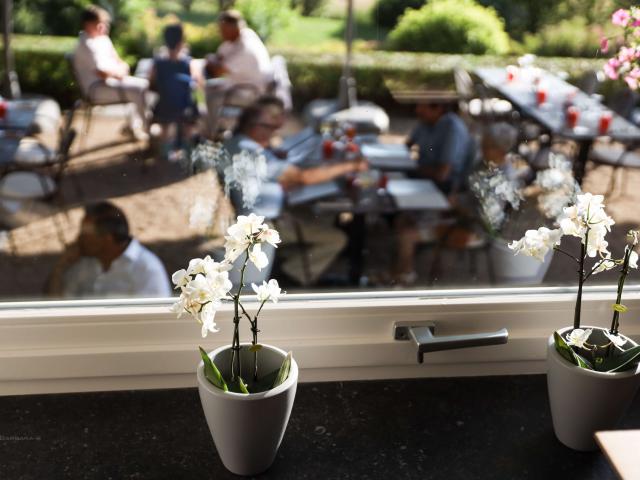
x: 49, y: 347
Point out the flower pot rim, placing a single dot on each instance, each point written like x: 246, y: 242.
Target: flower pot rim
x: 583, y: 371
x: 288, y: 383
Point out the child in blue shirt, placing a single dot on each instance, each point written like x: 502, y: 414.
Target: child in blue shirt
x: 171, y: 78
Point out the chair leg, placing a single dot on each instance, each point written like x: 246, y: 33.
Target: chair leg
x: 88, y: 112
x: 490, y: 272
x: 612, y: 182
x: 306, y: 268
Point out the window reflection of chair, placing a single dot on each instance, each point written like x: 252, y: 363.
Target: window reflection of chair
x: 475, y: 101
x: 38, y: 178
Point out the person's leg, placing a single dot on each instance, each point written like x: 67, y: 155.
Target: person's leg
x: 322, y: 244
x: 407, y: 239
x: 134, y: 90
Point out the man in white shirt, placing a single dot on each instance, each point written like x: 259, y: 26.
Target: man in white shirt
x: 106, y: 262
x: 241, y: 59
x: 102, y: 74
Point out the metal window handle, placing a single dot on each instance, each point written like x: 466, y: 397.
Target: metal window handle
x: 424, y: 337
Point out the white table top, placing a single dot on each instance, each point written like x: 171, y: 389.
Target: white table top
x: 622, y: 448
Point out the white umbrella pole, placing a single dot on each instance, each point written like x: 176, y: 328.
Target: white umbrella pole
x: 347, y: 93
x: 10, y: 80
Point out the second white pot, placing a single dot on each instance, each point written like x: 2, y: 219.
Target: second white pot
x: 585, y: 401
x: 247, y: 429
x: 517, y: 269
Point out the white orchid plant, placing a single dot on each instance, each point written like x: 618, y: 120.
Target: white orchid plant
x: 205, y: 284
x: 594, y: 349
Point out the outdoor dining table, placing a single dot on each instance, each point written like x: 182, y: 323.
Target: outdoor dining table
x: 521, y: 87
x: 31, y: 116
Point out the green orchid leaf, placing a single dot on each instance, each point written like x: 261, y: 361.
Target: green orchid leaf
x: 242, y: 386
x: 255, y: 348
x: 283, y: 373
x: 618, y: 307
x: 212, y: 373
x: 624, y: 361
x: 569, y: 354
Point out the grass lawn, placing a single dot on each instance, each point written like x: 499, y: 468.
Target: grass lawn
x: 327, y: 34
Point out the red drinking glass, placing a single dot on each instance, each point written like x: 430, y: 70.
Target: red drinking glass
x: 573, y: 114
x: 605, y: 122
x: 383, y: 181
x: 350, y: 131
x: 327, y: 149
x: 541, y: 96
x: 3, y: 109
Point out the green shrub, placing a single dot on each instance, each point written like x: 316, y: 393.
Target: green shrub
x: 308, y: 7
x: 451, y: 26
x: 265, y: 16
x: 568, y: 38
x: 41, y: 67
x: 386, y: 13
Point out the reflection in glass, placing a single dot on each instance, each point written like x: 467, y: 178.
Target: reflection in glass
x: 381, y: 169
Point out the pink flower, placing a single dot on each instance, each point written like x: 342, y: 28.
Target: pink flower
x: 620, y: 17
x: 632, y: 82
x: 604, y: 44
x: 635, y: 73
x: 611, y: 68
x: 627, y: 54
x: 636, y: 23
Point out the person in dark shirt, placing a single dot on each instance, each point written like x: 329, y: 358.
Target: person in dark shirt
x: 445, y: 147
x: 171, y: 78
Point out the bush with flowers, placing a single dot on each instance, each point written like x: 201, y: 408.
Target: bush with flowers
x: 204, y: 285
x: 593, y: 348
x: 625, y: 64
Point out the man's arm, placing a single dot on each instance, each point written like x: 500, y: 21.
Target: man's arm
x: 55, y: 286
x: 293, y: 176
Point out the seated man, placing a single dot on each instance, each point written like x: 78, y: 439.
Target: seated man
x: 254, y: 133
x: 102, y: 74
x: 445, y: 147
x: 106, y: 261
x: 241, y: 60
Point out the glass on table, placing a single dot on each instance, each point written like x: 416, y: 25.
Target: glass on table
x: 605, y: 122
x: 3, y: 108
x: 541, y: 95
x: 512, y: 73
x: 572, y: 116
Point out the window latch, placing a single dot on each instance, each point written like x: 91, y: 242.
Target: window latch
x: 426, y: 340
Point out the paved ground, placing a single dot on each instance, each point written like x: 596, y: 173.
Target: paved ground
x: 158, y: 196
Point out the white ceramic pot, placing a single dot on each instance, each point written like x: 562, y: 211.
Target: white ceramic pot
x: 247, y: 429
x: 585, y: 401
x: 517, y: 269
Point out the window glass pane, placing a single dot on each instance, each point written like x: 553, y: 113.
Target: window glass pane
x: 387, y: 149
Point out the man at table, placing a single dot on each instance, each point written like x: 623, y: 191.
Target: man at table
x: 102, y: 74
x: 256, y: 128
x: 106, y: 261
x: 445, y: 147
x: 241, y: 59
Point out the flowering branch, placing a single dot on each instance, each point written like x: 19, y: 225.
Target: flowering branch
x: 205, y: 284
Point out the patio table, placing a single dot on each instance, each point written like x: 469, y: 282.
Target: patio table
x: 31, y: 116
x: 400, y: 195
x: 521, y: 92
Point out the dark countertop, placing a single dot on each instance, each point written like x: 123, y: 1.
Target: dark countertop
x: 460, y: 428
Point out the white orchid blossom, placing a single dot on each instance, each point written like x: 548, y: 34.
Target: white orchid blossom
x: 267, y: 291
x: 258, y: 257
x: 633, y: 260
x: 536, y: 243
x: 579, y: 337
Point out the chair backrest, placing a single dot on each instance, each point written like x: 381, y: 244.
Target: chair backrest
x: 589, y: 82
x: 464, y: 83
x: 70, y: 58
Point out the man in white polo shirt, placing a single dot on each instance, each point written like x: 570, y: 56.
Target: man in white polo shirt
x: 106, y: 261
x: 102, y: 74
x: 242, y: 58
